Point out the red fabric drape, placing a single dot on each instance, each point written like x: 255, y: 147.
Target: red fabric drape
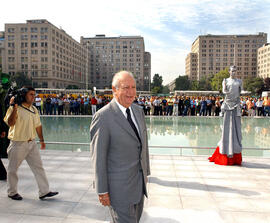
x: 223, y: 159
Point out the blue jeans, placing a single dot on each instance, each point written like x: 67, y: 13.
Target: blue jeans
x: 267, y: 110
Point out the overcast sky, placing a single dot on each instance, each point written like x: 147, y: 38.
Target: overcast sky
x: 168, y: 26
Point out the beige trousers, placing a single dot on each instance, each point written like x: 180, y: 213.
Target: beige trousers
x: 19, y: 151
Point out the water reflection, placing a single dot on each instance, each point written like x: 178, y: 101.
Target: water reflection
x: 166, y: 131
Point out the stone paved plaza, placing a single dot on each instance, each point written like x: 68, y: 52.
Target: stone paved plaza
x: 182, y: 189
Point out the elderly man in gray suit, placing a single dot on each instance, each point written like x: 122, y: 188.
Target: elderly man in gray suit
x: 119, y: 151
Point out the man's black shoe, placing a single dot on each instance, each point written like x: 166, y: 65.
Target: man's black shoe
x: 16, y: 197
x: 50, y: 194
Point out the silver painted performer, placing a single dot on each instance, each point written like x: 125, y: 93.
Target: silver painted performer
x: 229, y: 147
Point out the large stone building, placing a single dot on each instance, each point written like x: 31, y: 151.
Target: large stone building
x: 2, y: 49
x: 108, y: 55
x: 147, y: 72
x: 212, y: 53
x: 263, y: 69
x: 47, y: 54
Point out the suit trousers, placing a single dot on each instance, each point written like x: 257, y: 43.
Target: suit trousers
x: 127, y: 214
x: 19, y: 151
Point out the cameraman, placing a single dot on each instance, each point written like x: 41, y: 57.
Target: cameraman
x: 24, y: 123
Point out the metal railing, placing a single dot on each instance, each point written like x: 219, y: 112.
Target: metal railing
x: 180, y: 148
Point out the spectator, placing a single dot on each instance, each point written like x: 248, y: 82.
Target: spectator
x: 66, y: 106
x: 266, y: 104
x: 192, y: 106
x: 259, y: 105
x: 208, y: 106
x: 175, y: 106
x: 164, y: 106
x: 181, y: 105
x: 94, y: 105
x: 186, y: 106
x: 250, y: 107
x: 60, y: 103
x: 203, y: 107
x: 54, y: 105
x: 48, y: 106
x: 38, y: 103
x: 86, y: 105
x: 217, y: 107
x: 170, y: 106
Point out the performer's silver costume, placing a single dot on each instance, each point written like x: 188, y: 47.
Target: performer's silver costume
x: 231, y: 138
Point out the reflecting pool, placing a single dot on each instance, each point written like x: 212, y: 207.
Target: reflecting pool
x: 165, y: 131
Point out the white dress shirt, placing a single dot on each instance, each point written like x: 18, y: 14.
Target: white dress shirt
x: 123, y: 109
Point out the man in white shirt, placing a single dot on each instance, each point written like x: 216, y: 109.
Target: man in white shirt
x: 38, y: 104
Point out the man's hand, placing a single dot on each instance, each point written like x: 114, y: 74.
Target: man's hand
x: 104, y: 199
x: 11, y: 102
x: 42, y: 145
x: 3, y: 134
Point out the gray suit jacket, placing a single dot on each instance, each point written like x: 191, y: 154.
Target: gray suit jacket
x: 121, y: 163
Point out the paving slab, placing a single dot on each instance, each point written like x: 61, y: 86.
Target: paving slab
x: 183, y: 189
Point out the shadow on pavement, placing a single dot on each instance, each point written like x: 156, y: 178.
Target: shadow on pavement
x: 199, y: 186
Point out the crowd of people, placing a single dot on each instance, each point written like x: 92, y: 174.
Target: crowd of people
x: 152, y: 105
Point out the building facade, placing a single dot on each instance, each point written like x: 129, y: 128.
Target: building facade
x: 147, y: 72
x: 108, y: 55
x: 212, y: 53
x: 191, y: 65
x: 172, y: 85
x: 2, y: 50
x: 263, y: 69
x: 45, y: 53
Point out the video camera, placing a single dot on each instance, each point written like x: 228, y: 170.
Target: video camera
x: 19, y: 95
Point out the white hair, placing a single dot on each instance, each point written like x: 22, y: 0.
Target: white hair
x: 117, y: 77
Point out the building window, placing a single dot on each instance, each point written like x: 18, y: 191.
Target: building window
x: 34, y: 52
x: 11, y: 37
x: 11, y: 66
x: 44, y: 84
x: 43, y: 30
x: 43, y: 37
x: 33, y: 37
x: 24, y: 37
x: 34, y: 29
x: 44, y: 44
x: 11, y: 45
x: 24, y: 52
x: 11, y: 59
x: 11, y: 30
x: 11, y: 52
x: 34, y: 44
x: 24, y: 29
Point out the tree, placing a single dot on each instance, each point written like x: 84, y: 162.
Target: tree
x: 216, y: 81
x: 156, y: 90
x: 254, y: 84
x: 166, y: 90
x: 194, y: 85
x: 267, y: 84
x: 21, y: 80
x: 182, y: 83
x: 156, y: 85
x: 205, y: 84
